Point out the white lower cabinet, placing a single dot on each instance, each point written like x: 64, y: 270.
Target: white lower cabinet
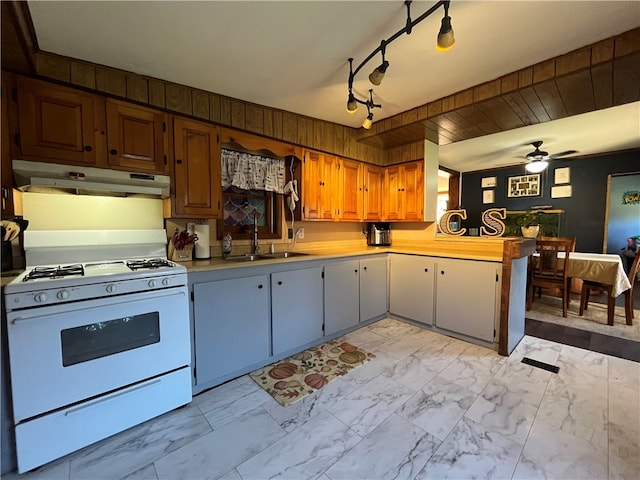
x: 373, y: 288
x: 466, y: 293
x: 411, y: 287
x: 341, y: 296
x: 296, y: 308
x: 231, y: 326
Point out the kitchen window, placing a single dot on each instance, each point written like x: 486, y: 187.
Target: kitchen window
x: 251, y: 185
x: 240, y: 207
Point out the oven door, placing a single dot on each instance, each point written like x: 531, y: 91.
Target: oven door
x: 67, y: 353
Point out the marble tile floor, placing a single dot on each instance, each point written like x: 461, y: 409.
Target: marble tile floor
x: 427, y: 407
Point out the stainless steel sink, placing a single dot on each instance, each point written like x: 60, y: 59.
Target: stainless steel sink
x: 249, y: 257
x: 284, y: 254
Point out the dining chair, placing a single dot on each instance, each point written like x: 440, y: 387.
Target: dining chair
x: 548, y: 269
x: 589, y: 287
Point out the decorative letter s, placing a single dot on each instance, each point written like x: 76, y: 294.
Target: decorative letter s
x: 492, y: 219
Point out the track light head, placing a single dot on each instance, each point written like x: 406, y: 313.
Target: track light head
x: 536, y: 166
x: 446, y: 39
x: 352, y: 103
x: 366, y: 124
x: 378, y: 73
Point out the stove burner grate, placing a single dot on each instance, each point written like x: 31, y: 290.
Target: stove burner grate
x: 54, y: 272
x: 150, y: 263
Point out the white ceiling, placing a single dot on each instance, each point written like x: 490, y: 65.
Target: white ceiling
x: 292, y: 55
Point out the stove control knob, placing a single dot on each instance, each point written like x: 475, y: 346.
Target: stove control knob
x: 152, y: 283
x: 111, y: 288
x: 41, y: 297
x: 63, y: 294
x: 166, y: 282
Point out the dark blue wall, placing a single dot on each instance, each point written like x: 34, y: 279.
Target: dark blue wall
x: 584, y: 215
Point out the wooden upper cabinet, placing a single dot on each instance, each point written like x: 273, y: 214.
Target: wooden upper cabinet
x: 58, y: 124
x: 136, y: 137
x: 392, y: 189
x: 197, y: 169
x: 350, y: 190
x: 413, y: 191
x: 373, y: 178
x: 404, y: 188
x: 319, y: 185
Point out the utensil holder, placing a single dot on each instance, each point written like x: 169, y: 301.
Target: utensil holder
x: 183, y: 255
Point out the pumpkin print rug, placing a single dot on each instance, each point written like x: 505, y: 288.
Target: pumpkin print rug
x: 297, y: 376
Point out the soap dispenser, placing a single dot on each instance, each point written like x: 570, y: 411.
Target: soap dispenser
x: 226, y: 245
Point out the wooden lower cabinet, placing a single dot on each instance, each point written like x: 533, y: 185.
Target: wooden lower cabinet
x: 197, y: 169
x: 466, y: 297
x: 296, y: 308
x: 373, y: 288
x: 231, y: 327
x: 411, y: 287
x: 341, y: 296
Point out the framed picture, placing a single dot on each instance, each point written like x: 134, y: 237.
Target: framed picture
x: 489, y: 182
x: 524, y: 186
x: 488, y: 196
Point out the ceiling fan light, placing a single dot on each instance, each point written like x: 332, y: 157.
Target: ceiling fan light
x: 352, y: 104
x: 446, y: 39
x: 377, y: 75
x: 366, y: 124
x: 536, y: 166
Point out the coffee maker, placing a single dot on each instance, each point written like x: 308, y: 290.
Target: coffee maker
x: 379, y: 234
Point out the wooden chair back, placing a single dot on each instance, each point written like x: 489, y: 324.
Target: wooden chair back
x: 548, y: 268
x: 549, y: 264
x: 633, y: 271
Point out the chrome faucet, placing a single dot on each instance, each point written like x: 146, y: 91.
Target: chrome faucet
x: 255, y: 246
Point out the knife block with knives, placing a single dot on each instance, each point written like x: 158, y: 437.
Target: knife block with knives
x: 181, y: 246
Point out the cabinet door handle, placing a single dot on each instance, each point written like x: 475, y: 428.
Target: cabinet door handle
x: 426, y: 269
x: 356, y: 270
x: 441, y: 272
x: 113, y: 151
x: 88, y: 148
x: 365, y: 269
x: 179, y: 162
x: 279, y: 282
x: 260, y: 286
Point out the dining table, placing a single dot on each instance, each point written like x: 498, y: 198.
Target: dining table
x: 601, y: 268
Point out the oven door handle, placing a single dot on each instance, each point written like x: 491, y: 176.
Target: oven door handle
x: 20, y: 319
x: 71, y: 411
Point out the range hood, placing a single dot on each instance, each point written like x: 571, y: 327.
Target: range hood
x: 49, y: 177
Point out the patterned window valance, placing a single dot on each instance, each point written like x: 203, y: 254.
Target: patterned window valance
x: 252, y: 172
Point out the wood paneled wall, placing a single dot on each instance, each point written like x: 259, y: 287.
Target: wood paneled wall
x: 219, y: 109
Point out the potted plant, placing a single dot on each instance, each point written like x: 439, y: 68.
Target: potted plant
x: 530, y: 225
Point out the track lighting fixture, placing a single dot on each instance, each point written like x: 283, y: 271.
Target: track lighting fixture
x: 352, y: 103
x: 366, y: 124
x: 377, y: 75
x: 445, y: 41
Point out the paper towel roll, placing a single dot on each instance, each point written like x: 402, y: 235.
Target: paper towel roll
x: 203, y: 249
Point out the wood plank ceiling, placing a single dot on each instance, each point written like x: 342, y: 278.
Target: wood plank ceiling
x: 595, y: 77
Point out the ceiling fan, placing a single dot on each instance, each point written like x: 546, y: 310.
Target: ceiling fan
x: 538, y: 160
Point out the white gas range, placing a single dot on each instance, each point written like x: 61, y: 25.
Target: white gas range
x: 99, y: 341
